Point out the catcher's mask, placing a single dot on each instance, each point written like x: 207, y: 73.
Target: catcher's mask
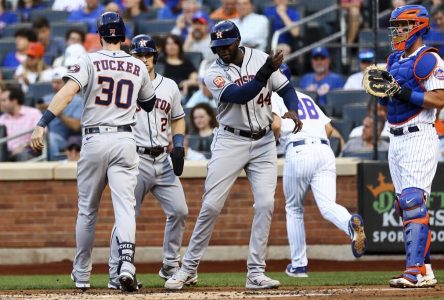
x: 407, y: 24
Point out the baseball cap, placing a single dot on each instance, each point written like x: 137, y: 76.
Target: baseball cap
x: 201, y: 18
x: 366, y: 55
x: 320, y: 52
x: 35, y: 50
x: 72, y: 54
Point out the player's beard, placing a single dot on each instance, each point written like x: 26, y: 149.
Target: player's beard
x: 231, y: 57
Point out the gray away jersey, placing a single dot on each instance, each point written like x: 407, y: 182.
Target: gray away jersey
x: 152, y: 128
x: 111, y: 82
x: 256, y: 114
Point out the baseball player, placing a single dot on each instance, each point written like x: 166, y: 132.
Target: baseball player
x: 415, y: 84
x: 155, y: 172
x: 241, y: 81
x: 309, y: 161
x: 113, y: 84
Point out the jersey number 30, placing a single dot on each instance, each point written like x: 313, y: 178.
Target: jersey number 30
x: 109, y: 89
x: 307, y: 109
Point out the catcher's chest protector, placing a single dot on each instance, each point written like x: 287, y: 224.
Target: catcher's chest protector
x: 403, y: 72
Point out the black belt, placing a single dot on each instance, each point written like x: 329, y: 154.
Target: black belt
x: 400, y: 131
x: 155, y: 151
x: 255, y: 135
x: 302, y: 142
x: 123, y: 128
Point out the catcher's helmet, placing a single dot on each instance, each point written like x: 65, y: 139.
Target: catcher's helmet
x: 224, y: 33
x: 110, y: 25
x: 416, y: 22
x: 143, y: 43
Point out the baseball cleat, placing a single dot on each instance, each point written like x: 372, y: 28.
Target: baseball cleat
x: 179, y: 279
x: 412, y: 278
x: 359, y: 241
x: 429, y: 277
x: 167, y: 271
x: 114, y: 284
x: 261, y: 282
x: 128, y: 282
x: 81, y: 285
x: 296, y: 272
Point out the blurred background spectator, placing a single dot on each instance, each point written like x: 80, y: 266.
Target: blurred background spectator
x: 203, y: 122
x: 33, y: 69
x: 67, y: 124
x: 18, y: 118
x: 254, y: 28
x: 177, y: 66
x: 352, y: 9
x: 25, y: 7
x: 88, y: 14
x: 354, y: 82
x: 6, y: 17
x: 54, y: 46
x: 23, y: 37
x: 190, y: 154
x: 435, y: 37
x: 70, y: 56
x: 185, y: 20
x: 382, y: 115
x: 198, y: 38
x: 72, y: 151
x: 226, y: 11
x: 322, y: 80
x: 68, y: 5
x: 203, y: 95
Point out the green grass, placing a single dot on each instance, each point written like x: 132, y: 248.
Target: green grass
x: 29, y: 282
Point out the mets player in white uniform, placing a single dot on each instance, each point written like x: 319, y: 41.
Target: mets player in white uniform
x: 155, y: 171
x: 241, y: 80
x: 418, y: 72
x: 310, y: 162
x: 113, y: 84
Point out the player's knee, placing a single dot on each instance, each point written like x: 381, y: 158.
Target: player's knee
x: 294, y: 210
x: 264, y: 205
x: 210, y: 210
x: 182, y: 212
x: 412, y: 206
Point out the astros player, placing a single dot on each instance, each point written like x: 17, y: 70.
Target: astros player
x: 155, y: 172
x: 414, y: 144
x: 310, y: 162
x: 241, y: 80
x: 113, y: 84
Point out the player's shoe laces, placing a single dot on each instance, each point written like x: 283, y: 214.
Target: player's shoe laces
x: 128, y: 282
x: 296, y: 272
x: 412, y: 278
x: 81, y: 285
x: 167, y: 271
x: 114, y: 284
x: 179, y: 279
x: 356, y: 228
x: 261, y: 282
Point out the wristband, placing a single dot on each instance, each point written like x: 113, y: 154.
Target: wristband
x: 46, y: 118
x: 178, y: 140
x: 417, y: 98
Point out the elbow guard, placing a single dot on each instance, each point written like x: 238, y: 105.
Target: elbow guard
x: 147, y: 105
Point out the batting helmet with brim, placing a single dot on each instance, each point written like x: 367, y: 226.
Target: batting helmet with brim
x: 142, y: 44
x: 110, y: 25
x: 224, y: 33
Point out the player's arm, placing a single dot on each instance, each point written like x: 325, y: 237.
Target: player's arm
x: 276, y: 126
x: 242, y: 94
x: 328, y: 129
x: 60, y: 101
x: 178, y: 126
x: 434, y: 99
x: 147, y: 96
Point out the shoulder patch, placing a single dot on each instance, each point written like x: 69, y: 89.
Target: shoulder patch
x: 424, y: 65
x: 439, y: 73
x: 73, y: 68
x: 219, y: 81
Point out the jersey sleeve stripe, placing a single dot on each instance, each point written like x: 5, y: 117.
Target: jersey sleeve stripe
x: 282, y: 85
x: 178, y: 117
x: 75, y: 79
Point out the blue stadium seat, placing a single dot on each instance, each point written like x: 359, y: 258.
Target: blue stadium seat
x: 195, y: 58
x: 3, y: 147
x: 337, y: 99
x: 6, y: 45
x: 154, y: 27
x: 355, y: 113
x: 51, y: 15
x: 37, y: 90
x: 343, y: 126
x: 8, y: 73
x: 10, y: 30
x: 60, y: 28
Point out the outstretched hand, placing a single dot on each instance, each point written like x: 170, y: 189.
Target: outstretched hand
x: 291, y: 114
x: 277, y: 59
x: 37, y: 138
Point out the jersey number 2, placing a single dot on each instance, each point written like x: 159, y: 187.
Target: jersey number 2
x: 109, y: 89
x: 307, y: 109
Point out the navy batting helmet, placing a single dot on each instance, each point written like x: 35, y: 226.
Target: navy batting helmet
x: 110, y: 25
x: 224, y: 33
x: 143, y: 43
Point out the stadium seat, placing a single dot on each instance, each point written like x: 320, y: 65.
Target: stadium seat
x: 3, y: 147
x: 154, y: 27
x: 10, y: 30
x: 343, y: 126
x: 195, y: 58
x: 60, y: 28
x: 355, y: 113
x: 8, y: 73
x: 337, y: 99
x: 311, y: 94
x: 37, y: 90
x: 51, y: 15
x: 6, y: 45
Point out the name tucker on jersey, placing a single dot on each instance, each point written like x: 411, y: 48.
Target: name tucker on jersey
x: 116, y: 65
